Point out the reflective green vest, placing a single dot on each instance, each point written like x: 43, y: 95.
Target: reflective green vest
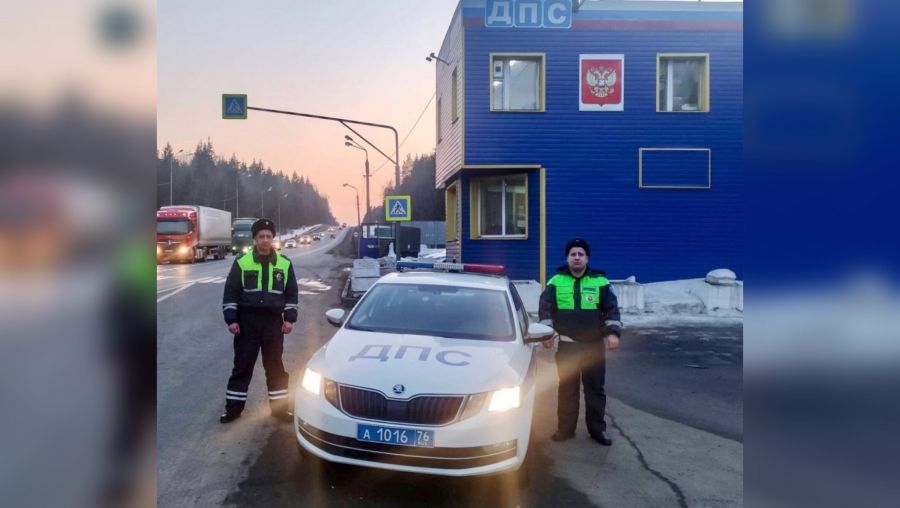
x: 251, y: 271
x: 590, y: 287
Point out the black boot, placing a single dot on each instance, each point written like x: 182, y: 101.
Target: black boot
x: 229, y: 417
x: 602, y: 437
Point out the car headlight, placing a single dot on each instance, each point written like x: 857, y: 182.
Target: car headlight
x: 312, y: 381
x: 246, y: 249
x: 505, y: 399
x: 183, y: 249
x: 158, y: 250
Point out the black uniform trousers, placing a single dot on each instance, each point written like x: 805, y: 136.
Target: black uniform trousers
x: 580, y: 363
x: 258, y: 331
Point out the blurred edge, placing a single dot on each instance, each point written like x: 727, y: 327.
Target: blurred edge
x: 822, y: 333
x: 77, y: 154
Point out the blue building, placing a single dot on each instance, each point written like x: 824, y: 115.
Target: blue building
x: 619, y: 121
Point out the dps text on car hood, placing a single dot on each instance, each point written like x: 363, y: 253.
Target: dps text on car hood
x: 422, y: 364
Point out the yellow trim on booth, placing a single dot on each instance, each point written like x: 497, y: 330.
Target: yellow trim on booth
x: 476, y: 235
x: 502, y: 166
x: 450, y: 207
x: 542, y: 212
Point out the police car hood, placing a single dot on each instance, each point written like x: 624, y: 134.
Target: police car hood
x: 422, y: 364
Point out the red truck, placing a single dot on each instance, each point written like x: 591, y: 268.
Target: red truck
x: 192, y: 233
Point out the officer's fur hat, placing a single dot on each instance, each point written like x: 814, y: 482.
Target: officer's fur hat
x: 578, y: 242
x: 261, y: 224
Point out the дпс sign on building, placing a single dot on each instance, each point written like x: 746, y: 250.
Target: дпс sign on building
x: 618, y: 121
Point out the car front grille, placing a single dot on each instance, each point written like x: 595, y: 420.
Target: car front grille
x: 419, y: 410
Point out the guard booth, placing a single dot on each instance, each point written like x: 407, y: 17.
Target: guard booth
x: 376, y: 238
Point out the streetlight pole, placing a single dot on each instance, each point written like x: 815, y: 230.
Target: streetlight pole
x: 346, y: 123
x: 358, y: 220
x: 351, y: 142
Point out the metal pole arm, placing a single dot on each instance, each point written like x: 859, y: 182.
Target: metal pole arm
x: 343, y: 121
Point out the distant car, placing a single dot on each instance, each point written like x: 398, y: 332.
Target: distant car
x: 290, y: 244
x: 305, y: 240
x: 407, y: 385
x: 317, y: 236
x: 332, y: 235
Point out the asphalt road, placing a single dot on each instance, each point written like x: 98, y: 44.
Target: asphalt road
x: 686, y: 372
x: 675, y: 413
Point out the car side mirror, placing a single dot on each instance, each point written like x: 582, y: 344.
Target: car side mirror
x: 335, y: 317
x: 538, y: 332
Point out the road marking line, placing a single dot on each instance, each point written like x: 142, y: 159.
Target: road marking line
x: 182, y: 288
x: 176, y: 286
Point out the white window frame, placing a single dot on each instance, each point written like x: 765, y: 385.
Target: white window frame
x: 478, y: 184
x: 704, y: 98
x: 541, y: 58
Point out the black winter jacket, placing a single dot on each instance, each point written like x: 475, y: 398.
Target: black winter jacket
x: 582, y: 325
x: 235, y: 300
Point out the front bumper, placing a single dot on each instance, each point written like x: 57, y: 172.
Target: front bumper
x: 485, y: 443
x: 172, y: 256
x: 438, y: 460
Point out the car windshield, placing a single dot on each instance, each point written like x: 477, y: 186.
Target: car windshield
x: 173, y: 226
x: 443, y: 311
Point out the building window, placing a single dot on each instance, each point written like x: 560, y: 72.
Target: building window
x: 517, y: 82
x: 682, y: 83
x: 451, y: 212
x: 454, y: 109
x: 500, y: 207
x: 439, y: 136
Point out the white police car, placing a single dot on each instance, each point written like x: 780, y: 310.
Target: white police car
x: 431, y: 372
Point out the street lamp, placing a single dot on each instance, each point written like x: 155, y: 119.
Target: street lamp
x: 432, y: 56
x: 358, y: 221
x: 352, y: 143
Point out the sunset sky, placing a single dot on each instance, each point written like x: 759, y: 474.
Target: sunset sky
x: 359, y: 60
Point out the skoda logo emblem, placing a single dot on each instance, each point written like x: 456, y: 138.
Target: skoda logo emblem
x: 398, y: 389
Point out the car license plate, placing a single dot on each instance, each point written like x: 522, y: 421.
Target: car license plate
x: 395, y: 435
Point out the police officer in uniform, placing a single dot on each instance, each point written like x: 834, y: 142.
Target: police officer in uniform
x: 260, y: 306
x: 580, y: 305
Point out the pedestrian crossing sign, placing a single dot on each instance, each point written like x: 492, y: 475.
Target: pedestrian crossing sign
x: 397, y: 208
x: 234, y: 106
